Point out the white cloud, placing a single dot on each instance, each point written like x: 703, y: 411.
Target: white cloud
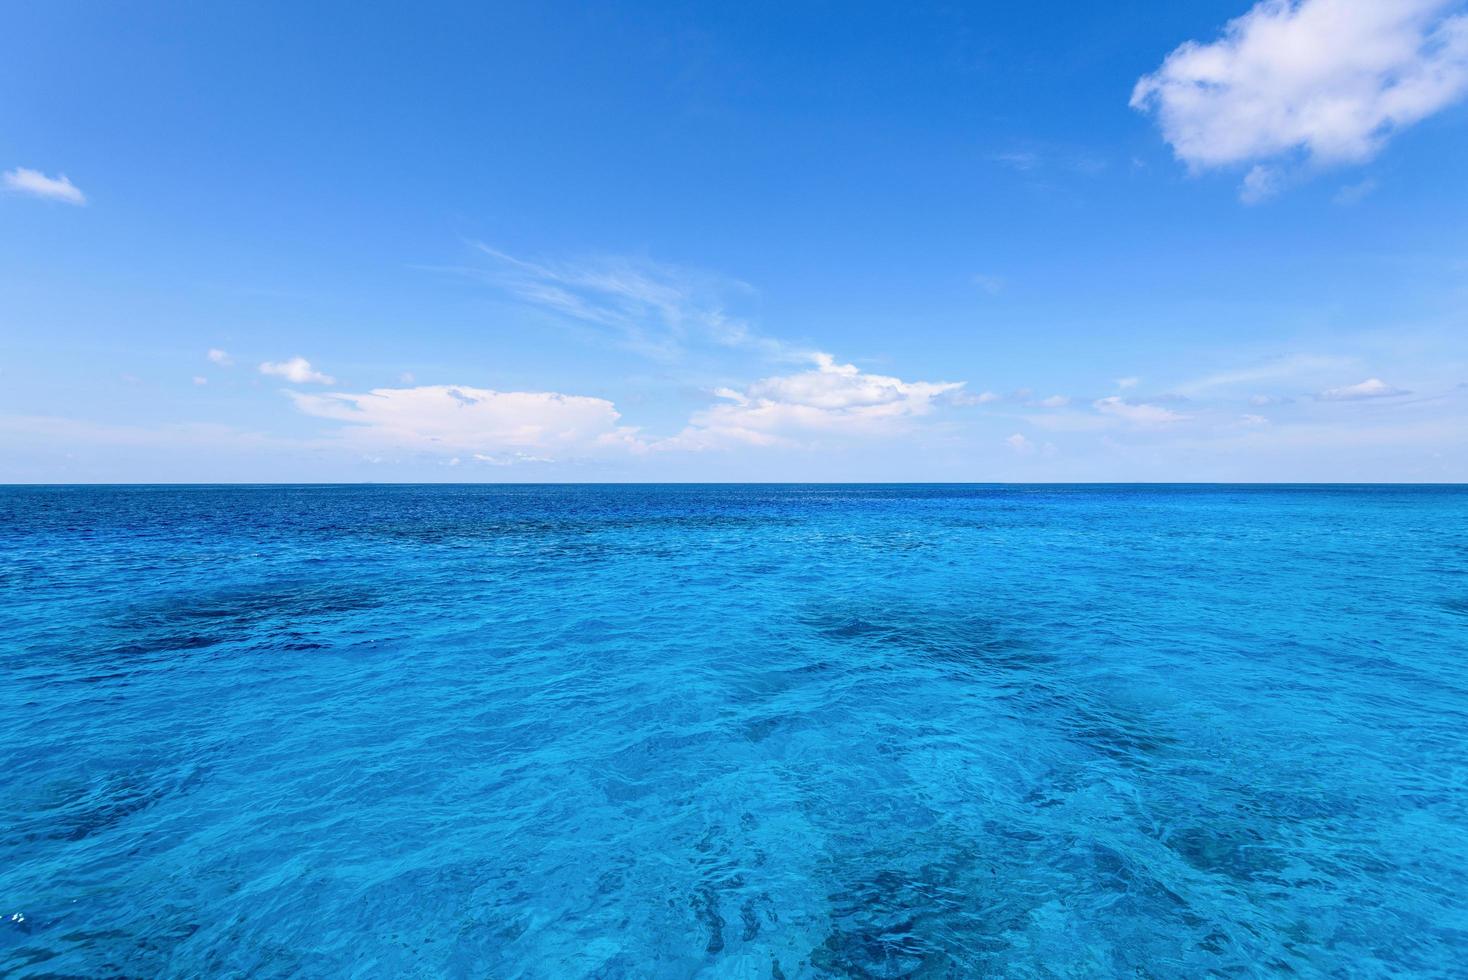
x: 200, y: 380
x: 1020, y: 444
x: 1128, y: 382
x: 59, y: 188
x: 297, y: 370
x: 832, y: 399
x: 1325, y: 80
x: 1370, y: 388
x: 1137, y: 413
x: 1028, y: 447
x: 510, y: 459
x: 1260, y: 184
x: 1253, y: 420
x: 508, y: 427
x: 479, y: 422
x: 1055, y: 401
x: 220, y: 357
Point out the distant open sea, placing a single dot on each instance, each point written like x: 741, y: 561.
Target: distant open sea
x: 733, y: 731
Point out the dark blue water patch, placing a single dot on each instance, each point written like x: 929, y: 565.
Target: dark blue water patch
x: 1456, y: 604
x: 75, y: 808
x: 774, y: 731
x: 937, y: 634
x: 287, y: 612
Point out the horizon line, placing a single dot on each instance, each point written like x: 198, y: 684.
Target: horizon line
x: 746, y: 483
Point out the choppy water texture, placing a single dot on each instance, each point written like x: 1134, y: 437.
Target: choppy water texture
x: 733, y: 731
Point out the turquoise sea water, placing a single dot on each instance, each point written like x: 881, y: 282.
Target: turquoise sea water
x: 783, y: 731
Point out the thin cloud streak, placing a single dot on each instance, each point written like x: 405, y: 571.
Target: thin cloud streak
x: 1275, y: 369
x: 1370, y: 388
x: 23, y: 180
x: 655, y: 309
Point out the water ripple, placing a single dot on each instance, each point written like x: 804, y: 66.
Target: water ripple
x: 768, y: 732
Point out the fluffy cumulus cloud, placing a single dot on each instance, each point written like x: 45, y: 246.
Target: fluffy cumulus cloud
x: 829, y: 403
x: 1021, y: 445
x: 832, y: 399
x: 1370, y: 388
x: 22, y: 180
x: 220, y: 357
x: 297, y: 370
x: 480, y: 423
x: 1328, y: 81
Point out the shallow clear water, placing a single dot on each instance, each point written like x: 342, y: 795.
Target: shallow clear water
x: 733, y: 731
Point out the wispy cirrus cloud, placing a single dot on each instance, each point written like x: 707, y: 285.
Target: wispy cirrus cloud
x: 1290, y: 367
x: 654, y: 308
x: 1053, y: 158
x: 1018, y: 397
x: 1020, y: 160
x: 23, y: 180
x: 1325, y: 82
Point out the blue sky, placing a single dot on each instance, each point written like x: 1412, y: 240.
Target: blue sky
x: 1044, y: 241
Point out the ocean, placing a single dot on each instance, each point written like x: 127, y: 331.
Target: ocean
x: 733, y: 731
